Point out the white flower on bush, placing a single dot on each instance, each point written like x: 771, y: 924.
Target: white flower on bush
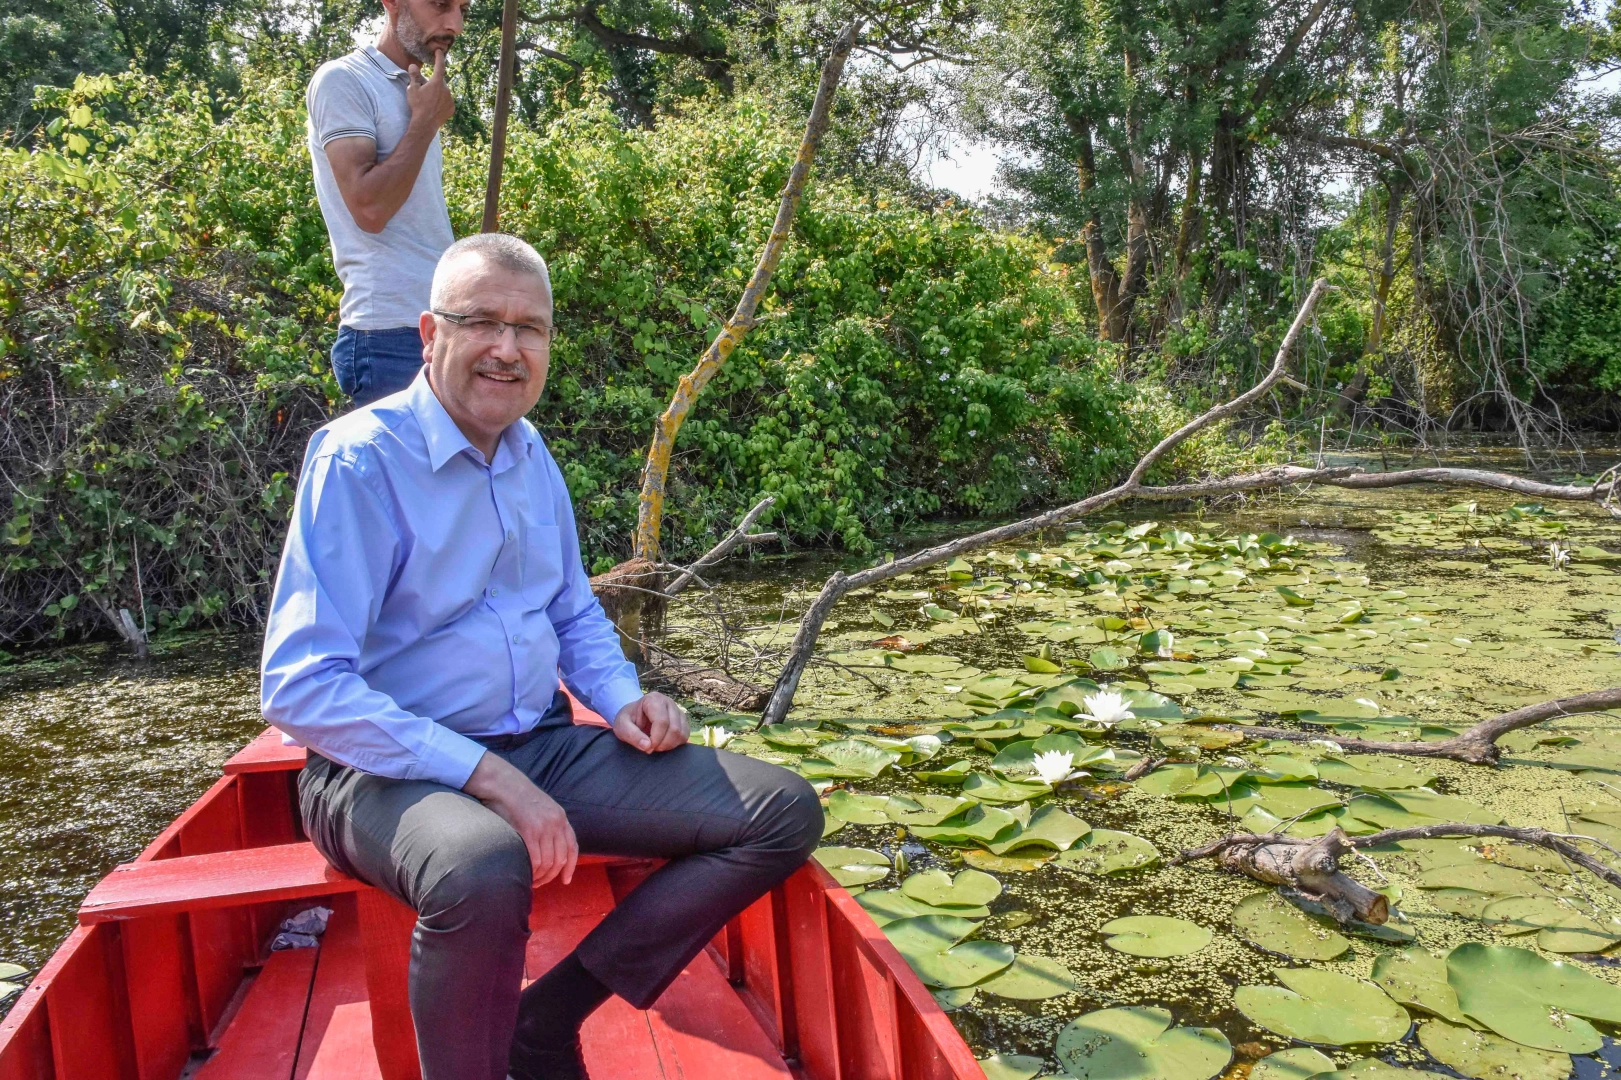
x: 714, y: 735
x: 1053, y: 766
x: 1107, y: 706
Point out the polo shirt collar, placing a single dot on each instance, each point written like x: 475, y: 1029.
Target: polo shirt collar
x: 384, y: 64
x: 445, y: 440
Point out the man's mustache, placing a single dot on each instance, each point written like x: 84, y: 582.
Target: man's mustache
x: 518, y: 370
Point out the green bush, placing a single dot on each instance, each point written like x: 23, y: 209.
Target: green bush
x: 167, y: 301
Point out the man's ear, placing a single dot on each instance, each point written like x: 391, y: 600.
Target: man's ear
x: 428, y: 327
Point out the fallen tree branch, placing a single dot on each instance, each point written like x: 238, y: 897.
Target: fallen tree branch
x: 1311, y: 866
x: 1143, y: 768
x: 1477, y: 746
x: 1282, y: 476
x: 732, y: 540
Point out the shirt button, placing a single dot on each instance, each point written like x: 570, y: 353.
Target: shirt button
x: 495, y: 592
x: 511, y: 536
x: 517, y: 639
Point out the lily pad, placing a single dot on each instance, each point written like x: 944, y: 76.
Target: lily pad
x: 1268, y: 921
x: 854, y: 866
x: 1530, y: 1000
x: 1380, y: 774
x: 1418, y: 978
x: 1319, y: 1006
x: 951, y: 775
x: 1049, y: 827
x: 1485, y: 1056
x: 924, y: 809
x: 1296, y: 1063
x: 930, y: 943
x: 858, y: 809
x: 1016, y: 863
x: 956, y: 997
x: 970, y: 888
x: 1374, y: 1069
x: 990, y: 789
x: 1011, y: 1067
x: 1140, y: 1043
x: 980, y: 825
x: 1106, y: 851
x: 848, y: 759
x: 1155, y: 935
x: 887, y: 905
x: 1031, y: 978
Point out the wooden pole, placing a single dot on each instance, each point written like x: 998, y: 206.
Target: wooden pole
x: 503, y: 102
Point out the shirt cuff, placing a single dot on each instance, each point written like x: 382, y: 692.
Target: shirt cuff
x: 449, y: 758
x: 608, y: 700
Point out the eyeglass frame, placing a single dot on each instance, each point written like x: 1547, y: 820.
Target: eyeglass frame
x: 459, y: 320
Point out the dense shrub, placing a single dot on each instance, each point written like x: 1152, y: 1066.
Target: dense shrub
x: 168, y: 300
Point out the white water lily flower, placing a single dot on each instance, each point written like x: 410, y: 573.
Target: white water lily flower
x: 1558, y: 554
x: 714, y: 735
x: 1053, y: 766
x: 1326, y: 744
x: 1107, y: 706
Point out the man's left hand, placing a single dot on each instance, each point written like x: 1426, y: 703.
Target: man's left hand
x: 651, y: 724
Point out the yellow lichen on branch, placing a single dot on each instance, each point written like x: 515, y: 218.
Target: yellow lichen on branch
x: 650, y: 513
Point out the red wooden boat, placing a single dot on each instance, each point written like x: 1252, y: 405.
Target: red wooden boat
x: 168, y: 974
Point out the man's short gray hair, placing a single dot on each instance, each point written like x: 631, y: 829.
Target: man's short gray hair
x: 502, y: 249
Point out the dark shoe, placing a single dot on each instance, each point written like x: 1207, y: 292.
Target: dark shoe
x: 565, y: 1063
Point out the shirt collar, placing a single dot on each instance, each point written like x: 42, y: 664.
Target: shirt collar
x: 445, y: 440
x: 384, y: 64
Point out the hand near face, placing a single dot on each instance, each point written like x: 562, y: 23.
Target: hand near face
x: 652, y: 723
x: 430, y: 100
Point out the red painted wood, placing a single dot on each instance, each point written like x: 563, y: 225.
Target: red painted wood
x: 337, y: 1041
x: 703, y: 1030
x: 25, y: 1041
x: 930, y: 1021
x: 266, y: 804
x: 866, y: 1007
x: 261, y: 1042
x: 222, y: 879
x: 266, y: 753
x: 90, y: 1035
x: 167, y: 843
x: 160, y: 981
x: 754, y: 971
x: 385, y: 930
x: 811, y: 961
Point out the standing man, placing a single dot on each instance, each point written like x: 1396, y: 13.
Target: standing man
x: 374, y: 140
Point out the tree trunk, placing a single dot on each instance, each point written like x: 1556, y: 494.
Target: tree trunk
x: 1105, y: 281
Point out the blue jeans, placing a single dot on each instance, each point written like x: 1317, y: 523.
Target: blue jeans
x: 371, y: 364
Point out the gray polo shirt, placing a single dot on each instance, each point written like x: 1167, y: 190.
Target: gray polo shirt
x: 385, y: 275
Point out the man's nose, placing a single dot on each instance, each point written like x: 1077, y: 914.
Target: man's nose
x: 505, y: 348
x: 453, y: 22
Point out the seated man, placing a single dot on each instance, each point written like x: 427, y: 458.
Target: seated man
x: 430, y: 594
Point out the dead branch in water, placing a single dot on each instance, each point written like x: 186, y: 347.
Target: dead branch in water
x: 1311, y: 866
x: 731, y: 541
x: 1477, y: 746
x: 840, y: 584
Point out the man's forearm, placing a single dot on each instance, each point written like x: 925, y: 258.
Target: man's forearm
x: 385, y: 185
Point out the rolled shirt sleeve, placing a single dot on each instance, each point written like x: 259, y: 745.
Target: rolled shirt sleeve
x: 331, y: 585
x: 590, y: 659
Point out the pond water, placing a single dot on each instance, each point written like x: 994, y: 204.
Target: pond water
x: 1406, y: 614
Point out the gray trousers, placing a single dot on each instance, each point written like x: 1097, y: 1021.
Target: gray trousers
x: 732, y: 827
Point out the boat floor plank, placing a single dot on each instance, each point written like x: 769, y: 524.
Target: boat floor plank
x: 262, y: 1041
x: 703, y: 1031
x: 336, y: 1044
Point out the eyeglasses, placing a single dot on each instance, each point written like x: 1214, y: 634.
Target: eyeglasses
x: 487, y: 331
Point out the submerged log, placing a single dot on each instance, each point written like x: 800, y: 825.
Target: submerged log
x: 1311, y: 867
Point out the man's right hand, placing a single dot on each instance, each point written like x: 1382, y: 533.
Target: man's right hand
x: 430, y: 100
x: 539, y: 820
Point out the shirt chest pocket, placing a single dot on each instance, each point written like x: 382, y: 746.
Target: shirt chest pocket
x: 542, y: 564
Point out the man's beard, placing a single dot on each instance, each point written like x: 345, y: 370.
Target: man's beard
x: 412, y: 39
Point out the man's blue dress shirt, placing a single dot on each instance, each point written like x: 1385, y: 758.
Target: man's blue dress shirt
x: 426, y: 596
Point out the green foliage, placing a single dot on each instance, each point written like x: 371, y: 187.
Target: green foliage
x: 168, y: 301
